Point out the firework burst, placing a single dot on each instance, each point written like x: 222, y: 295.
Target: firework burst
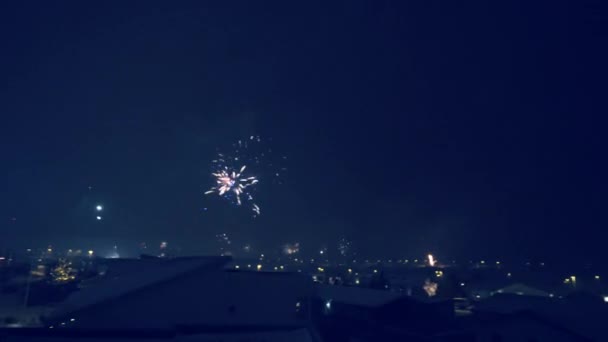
x: 234, y: 183
x: 248, y: 154
x: 230, y: 181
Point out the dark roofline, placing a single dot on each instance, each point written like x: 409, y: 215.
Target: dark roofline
x: 142, y: 334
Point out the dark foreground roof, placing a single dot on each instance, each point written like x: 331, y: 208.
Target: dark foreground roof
x: 156, y: 334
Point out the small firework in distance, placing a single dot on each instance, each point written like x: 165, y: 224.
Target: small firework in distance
x: 430, y: 288
x: 224, y: 243
x: 290, y: 249
x: 345, y: 247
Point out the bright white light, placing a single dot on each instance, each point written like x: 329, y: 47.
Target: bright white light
x: 605, y: 299
x: 328, y: 305
x: 98, y: 218
x: 99, y: 208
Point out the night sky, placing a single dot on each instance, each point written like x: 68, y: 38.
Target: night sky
x: 466, y: 130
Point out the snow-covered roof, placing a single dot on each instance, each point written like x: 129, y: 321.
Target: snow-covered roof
x: 267, y: 334
x: 523, y: 290
x: 356, y: 295
x: 132, y: 275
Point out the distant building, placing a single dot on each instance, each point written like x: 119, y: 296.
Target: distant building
x: 581, y: 314
x: 353, y: 313
x: 518, y: 327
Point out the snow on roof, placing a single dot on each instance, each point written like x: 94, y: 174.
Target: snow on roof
x: 133, y: 275
x: 523, y: 290
x: 356, y: 295
x: 267, y: 334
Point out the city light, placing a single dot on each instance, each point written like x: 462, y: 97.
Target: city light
x: 597, y: 277
x: 98, y: 218
x: 99, y: 208
x: 259, y: 267
x: 605, y: 299
x: 90, y: 252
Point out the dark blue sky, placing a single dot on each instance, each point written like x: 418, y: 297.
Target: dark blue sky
x: 466, y: 130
